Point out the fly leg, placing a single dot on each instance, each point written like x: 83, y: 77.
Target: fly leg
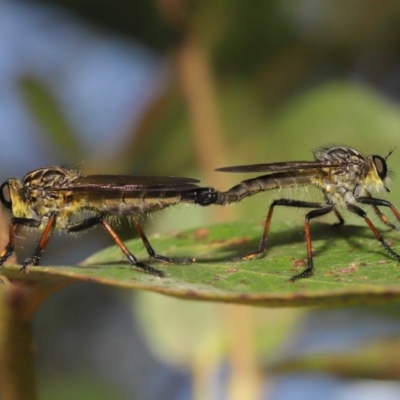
x: 9, y: 249
x: 43, y: 242
x: 339, y: 217
x: 337, y: 214
x: 263, y: 242
x: 92, y: 221
x: 151, y: 252
x: 15, y: 224
x: 383, y: 217
x: 361, y: 213
x: 378, y: 202
x: 319, y: 212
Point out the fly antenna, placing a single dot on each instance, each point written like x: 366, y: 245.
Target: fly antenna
x: 390, y: 152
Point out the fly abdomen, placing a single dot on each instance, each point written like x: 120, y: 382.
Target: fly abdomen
x: 202, y: 196
x: 278, y: 180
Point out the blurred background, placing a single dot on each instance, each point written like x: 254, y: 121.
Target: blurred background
x: 173, y: 87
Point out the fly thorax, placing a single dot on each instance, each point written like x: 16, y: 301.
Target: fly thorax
x: 49, y: 177
x: 41, y: 189
x: 339, y: 190
x: 348, y: 197
x: 339, y: 155
x: 339, y: 183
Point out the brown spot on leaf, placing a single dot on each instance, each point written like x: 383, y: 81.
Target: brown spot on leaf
x: 383, y: 262
x: 351, y: 268
x: 239, y: 240
x: 201, y: 233
x: 298, y: 263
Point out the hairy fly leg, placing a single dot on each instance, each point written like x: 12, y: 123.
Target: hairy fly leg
x: 372, y: 201
x: 319, y: 212
x: 151, y: 252
x: 43, y: 242
x: 93, y: 221
x: 361, y: 213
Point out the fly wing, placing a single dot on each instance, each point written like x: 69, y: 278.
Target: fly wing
x: 280, y: 166
x: 129, y: 183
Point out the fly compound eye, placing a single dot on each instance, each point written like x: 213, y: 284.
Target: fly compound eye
x: 380, y: 166
x: 5, y: 197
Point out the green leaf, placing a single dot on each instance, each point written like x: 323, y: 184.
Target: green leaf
x: 351, y: 266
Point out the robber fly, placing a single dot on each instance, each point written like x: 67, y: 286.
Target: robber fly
x: 60, y: 198
x: 343, y: 174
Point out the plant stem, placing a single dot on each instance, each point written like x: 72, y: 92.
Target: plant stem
x: 17, y: 373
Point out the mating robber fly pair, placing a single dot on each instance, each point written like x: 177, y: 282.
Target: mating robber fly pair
x: 59, y: 198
